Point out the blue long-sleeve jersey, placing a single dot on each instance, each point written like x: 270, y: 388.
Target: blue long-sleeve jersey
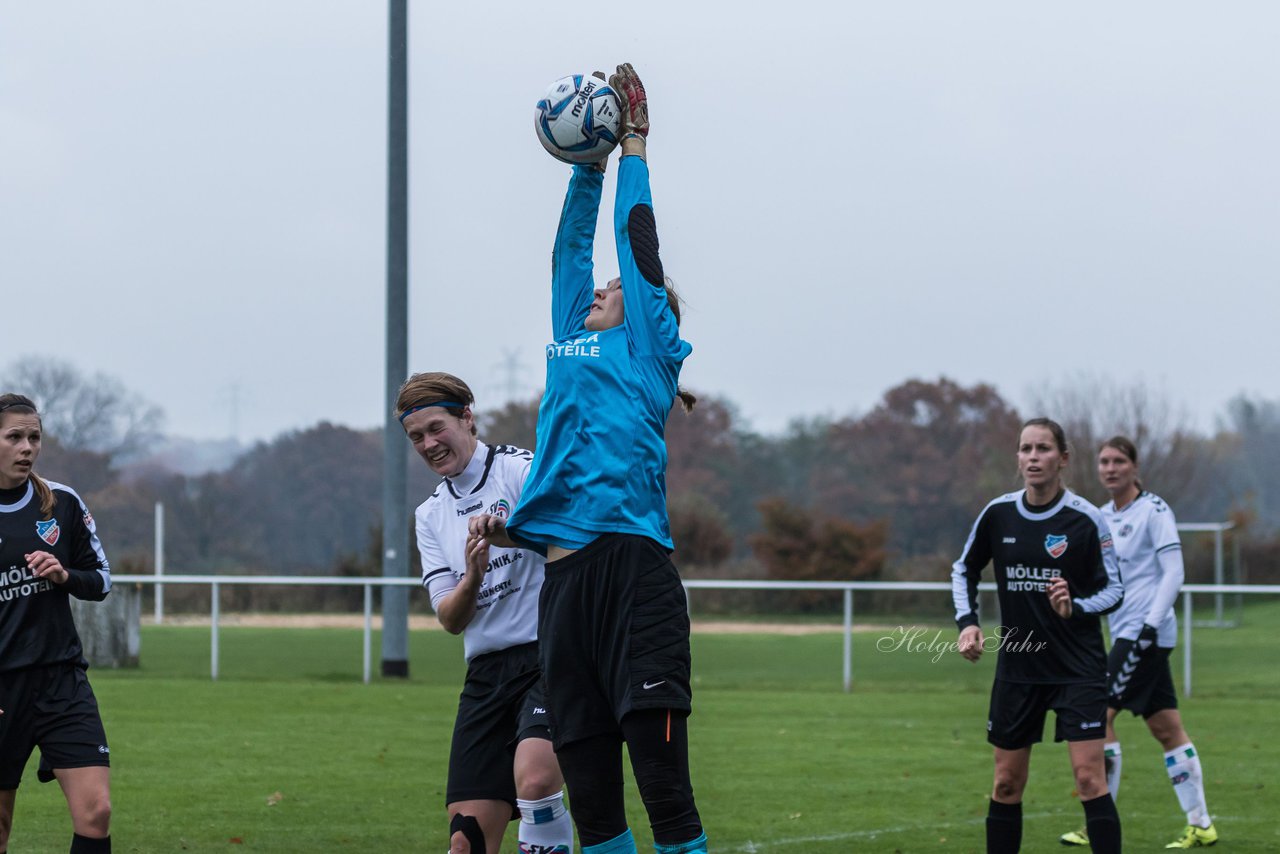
x: 601, y: 460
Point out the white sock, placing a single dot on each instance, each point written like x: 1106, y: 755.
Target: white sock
x: 1183, y: 765
x: 545, y: 826
x: 1111, y: 756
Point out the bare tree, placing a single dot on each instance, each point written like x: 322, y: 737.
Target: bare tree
x: 86, y: 413
x: 1091, y: 408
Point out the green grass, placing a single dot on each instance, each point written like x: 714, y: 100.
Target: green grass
x: 783, y: 760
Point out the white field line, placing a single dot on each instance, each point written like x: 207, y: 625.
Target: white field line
x: 753, y: 847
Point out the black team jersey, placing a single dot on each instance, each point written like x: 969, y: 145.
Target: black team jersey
x: 1029, y: 547
x: 36, y: 627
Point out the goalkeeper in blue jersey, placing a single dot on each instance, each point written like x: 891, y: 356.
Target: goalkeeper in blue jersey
x: 613, y: 624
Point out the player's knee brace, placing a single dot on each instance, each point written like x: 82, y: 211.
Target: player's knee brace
x: 470, y: 828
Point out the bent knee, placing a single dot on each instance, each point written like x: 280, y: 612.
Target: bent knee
x: 1089, y: 783
x: 532, y: 787
x: 1008, y: 789
x: 94, y: 816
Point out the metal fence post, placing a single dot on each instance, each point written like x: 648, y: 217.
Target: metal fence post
x: 368, y: 630
x: 159, y: 560
x: 848, y: 639
x: 1217, y: 576
x: 1186, y: 644
x: 213, y: 634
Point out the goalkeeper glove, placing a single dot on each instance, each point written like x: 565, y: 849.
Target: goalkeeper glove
x: 1146, y: 638
x: 635, y: 109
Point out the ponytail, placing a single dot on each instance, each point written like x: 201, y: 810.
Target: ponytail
x: 687, y: 398
x: 45, y: 494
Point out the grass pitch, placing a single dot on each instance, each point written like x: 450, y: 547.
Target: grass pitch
x: 290, y: 752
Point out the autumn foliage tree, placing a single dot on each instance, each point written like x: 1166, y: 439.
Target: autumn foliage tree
x: 928, y: 457
x: 800, y: 545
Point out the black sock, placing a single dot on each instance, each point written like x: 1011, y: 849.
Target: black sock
x: 86, y: 845
x: 1004, y: 828
x: 1103, y: 824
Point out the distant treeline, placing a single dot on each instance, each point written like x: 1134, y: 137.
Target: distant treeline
x: 889, y: 494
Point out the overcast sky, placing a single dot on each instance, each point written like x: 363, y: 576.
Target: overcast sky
x: 849, y: 195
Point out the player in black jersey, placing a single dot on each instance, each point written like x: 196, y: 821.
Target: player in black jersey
x: 1056, y: 573
x: 49, y: 551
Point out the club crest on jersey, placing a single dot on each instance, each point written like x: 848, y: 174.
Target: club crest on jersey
x: 1055, y: 544
x: 500, y: 508
x: 1125, y: 530
x: 49, y: 531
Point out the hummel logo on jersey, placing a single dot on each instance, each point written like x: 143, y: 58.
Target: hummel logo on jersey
x: 538, y: 710
x: 49, y: 531
x: 649, y: 685
x: 1126, y: 673
x: 1010, y: 540
x: 464, y: 511
x: 1055, y: 544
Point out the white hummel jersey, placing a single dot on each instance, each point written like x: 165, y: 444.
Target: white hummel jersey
x: 1145, y: 533
x: 507, y: 604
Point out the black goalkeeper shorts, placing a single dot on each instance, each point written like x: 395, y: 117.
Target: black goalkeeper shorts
x: 613, y: 630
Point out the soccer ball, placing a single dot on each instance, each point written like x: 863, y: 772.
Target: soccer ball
x: 577, y: 120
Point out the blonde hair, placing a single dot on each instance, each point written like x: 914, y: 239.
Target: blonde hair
x: 434, y: 387
x: 22, y: 405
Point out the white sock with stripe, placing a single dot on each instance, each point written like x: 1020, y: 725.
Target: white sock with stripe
x: 1111, y: 756
x: 1183, y: 765
x: 545, y: 826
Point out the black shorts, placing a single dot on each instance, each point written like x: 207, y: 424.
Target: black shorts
x: 1017, y: 712
x: 1144, y: 685
x: 613, y: 628
x: 53, y: 708
x: 501, y: 704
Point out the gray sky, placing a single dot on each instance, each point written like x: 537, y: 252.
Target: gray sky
x: 192, y: 196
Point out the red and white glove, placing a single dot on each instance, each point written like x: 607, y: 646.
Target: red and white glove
x: 635, y: 109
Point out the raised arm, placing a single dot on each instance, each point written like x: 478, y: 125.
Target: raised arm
x: 650, y: 322
x: 571, y: 268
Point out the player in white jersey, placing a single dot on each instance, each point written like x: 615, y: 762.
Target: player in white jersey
x: 1143, y: 632
x: 501, y: 763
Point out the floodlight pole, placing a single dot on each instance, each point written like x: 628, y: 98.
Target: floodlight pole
x: 395, y: 517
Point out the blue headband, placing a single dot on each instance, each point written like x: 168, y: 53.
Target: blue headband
x: 447, y: 404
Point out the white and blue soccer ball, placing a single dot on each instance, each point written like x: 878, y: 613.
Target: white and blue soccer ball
x: 577, y: 120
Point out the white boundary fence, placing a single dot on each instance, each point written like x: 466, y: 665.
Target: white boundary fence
x: 216, y: 582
